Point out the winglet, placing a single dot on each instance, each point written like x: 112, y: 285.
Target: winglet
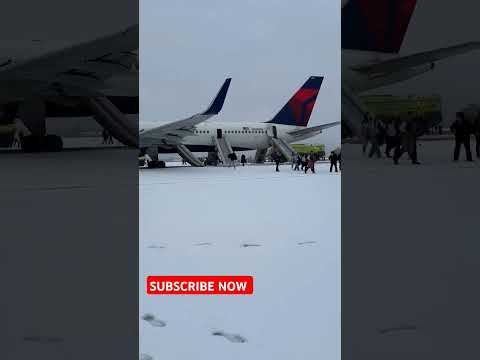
x: 217, y: 103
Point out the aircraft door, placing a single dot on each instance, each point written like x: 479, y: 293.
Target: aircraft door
x: 274, y: 130
x: 219, y: 133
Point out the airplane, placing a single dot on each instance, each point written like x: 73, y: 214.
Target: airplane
x: 96, y: 78
x: 195, y: 135
x: 372, y: 36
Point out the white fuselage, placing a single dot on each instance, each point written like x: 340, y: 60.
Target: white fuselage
x: 241, y: 136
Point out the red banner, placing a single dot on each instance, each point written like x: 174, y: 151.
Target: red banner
x: 199, y: 285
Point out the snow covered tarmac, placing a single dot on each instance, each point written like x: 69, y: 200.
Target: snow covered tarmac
x: 282, y: 228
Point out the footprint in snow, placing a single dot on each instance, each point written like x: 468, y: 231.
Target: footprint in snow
x: 235, y: 338
x: 156, y: 247
x: 307, y: 242
x: 250, y: 245
x: 152, y: 320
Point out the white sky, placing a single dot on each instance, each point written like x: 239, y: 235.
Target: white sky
x: 269, y: 48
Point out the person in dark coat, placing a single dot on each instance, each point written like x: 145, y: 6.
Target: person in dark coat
x: 390, y: 137
x: 364, y: 132
x: 407, y: 133
x: 243, y: 159
x: 233, y: 158
x: 333, y: 161
x: 375, y: 137
x: 276, y: 158
x: 462, y: 130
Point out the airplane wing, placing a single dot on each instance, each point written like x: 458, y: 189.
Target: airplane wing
x: 410, y: 61
x: 81, y: 69
x: 173, y: 132
x: 313, y: 129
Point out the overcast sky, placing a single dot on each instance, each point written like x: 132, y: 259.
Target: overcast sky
x: 269, y: 48
x: 436, y: 24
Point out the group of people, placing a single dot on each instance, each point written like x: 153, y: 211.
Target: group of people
x: 233, y: 158
x: 401, y: 136
x: 397, y: 135
x: 305, y: 162
x: 299, y: 162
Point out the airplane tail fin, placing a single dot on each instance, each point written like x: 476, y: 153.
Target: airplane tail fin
x: 376, y: 25
x: 298, y: 109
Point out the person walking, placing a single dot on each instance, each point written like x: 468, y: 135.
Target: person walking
x: 364, y: 132
x: 407, y: 140
x: 233, y: 158
x: 461, y: 129
x: 390, y: 138
x: 374, y: 137
x: 304, y: 161
x: 412, y: 132
x: 298, y: 162
x: 333, y: 161
x: 310, y: 164
x: 243, y: 159
x: 276, y: 158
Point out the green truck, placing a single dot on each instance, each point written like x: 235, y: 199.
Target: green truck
x: 316, y: 149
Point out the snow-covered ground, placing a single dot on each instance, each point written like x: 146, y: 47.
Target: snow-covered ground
x: 198, y: 221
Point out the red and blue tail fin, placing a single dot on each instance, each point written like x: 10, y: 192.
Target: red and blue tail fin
x: 298, y: 109
x: 376, y: 25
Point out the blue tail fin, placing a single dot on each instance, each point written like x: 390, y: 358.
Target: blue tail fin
x: 298, y: 109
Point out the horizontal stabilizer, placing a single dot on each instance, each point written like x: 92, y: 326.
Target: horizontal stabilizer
x: 419, y: 59
x: 313, y: 129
